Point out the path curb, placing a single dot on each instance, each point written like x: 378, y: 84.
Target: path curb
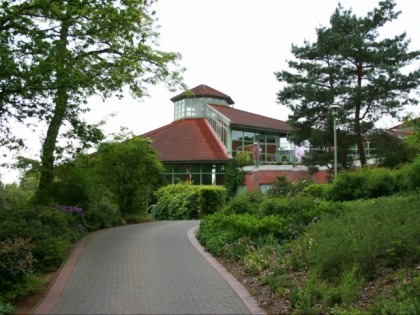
x: 243, y: 293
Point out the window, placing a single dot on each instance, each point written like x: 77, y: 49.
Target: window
x: 197, y: 174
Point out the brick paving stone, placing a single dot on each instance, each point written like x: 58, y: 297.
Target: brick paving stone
x: 149, y: 268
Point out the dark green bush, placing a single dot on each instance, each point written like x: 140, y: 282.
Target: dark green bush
x: 299, y: 210
x: 248, y: 202
x: 177, y: 202
x: 318, y: 191
x: 51, y: 230
x: 364, y: 184
x: 6, y: 308
x: 212, y: 199
x: 184, y: 201
x: 283, y: 188
x: 403, y: 299
x: 16, y: 261
x: 219, y: 229
x: 370, y: 234
x: 410, y: 175
x: 101, y: 215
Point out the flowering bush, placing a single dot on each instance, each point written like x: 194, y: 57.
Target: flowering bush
x: 16, y: 261
x: 77, y: 216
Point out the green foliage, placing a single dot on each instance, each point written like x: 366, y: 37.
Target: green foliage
x: 330, y: 71
x: 52, y: 231
x: 128, y: 170
x: 212, y: 199
x: 281, y: 187
x: 319, y: 253
x: 299, y: 210
x: 178, y: 201
x: 411, y: 175
x: 244, y: 159
x: 248, y: 202
x: 6, y: 308
x: 350, y: 285
x: 18, y: 290
x: 370, y: 234
x: 365, y: 183
x: 184, y: 201
x: 234, y: 178
x: 319, y: 191
x: 16, y: 261
x: 101, y: 214
x: 90, y: 48
x: 219, y: 229
x: 257, y: 261
x: 404, y: 299
x: 391, y: 151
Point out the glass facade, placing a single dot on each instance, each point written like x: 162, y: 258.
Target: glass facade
x: 195, y: 173
x: 194, y: 107
x: 264, y: 147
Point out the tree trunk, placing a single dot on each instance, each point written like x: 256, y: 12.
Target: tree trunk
x: 59, y: 114
x: 357, y: 129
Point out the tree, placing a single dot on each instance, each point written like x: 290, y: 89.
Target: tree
x: 391, y: 151
x: 129, y: 170
x: 351, y: 66
x: 80, y: 48
x: 18, y: 99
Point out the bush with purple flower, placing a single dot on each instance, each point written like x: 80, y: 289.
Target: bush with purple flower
x: 77, y: 214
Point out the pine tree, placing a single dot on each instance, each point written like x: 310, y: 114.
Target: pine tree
x: 351, y: 66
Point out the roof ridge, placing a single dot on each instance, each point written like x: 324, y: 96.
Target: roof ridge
x: 244, y: 111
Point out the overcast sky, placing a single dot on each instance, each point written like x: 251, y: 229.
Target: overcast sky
x: 234, y: 46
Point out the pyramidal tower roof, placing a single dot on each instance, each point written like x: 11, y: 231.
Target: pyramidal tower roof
x: 203, y: 91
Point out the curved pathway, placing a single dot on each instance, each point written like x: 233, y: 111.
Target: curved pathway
x: 150, y: 268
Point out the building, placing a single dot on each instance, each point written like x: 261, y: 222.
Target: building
x: 406, y: 129
x: 208, y: 133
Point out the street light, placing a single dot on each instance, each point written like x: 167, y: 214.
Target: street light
x: 334, y: 111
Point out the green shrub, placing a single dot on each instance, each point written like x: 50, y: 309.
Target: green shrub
x: 19, y: 290
x: 101, y: 215
x: 319, y: 191
x: 248, y: 202
x: 404, y: 299
x: 219, y: 230
x: 178, y: 201
x: 281, y: 187
x: 212, y: 199
x: 184, y: 201
x: 51, y: 230
x: 6, y: 308
x: 16, y: 261
x: 364, y: 184
x: 50, y: 252
x: 371, y: 234
x: 299, y: 210
x: 411, y: 175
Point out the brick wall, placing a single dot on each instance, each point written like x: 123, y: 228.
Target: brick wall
x: 255, y: 176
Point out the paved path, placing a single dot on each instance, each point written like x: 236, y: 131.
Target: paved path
x: 151, y: 268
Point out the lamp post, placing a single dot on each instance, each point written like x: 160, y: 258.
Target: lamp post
x: 334, y: 111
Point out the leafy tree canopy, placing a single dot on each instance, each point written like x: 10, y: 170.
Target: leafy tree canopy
x: 350, y: 65
x: 57, y: 53
x: 129, y: 169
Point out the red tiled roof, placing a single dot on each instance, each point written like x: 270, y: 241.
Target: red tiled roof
x: 203, y: 91
x: 243, y: 118
x: 187, y: 140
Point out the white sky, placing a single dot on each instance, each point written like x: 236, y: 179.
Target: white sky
x: 234, y: 46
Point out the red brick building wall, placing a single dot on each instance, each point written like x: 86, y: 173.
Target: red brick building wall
x: 258, y: 176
